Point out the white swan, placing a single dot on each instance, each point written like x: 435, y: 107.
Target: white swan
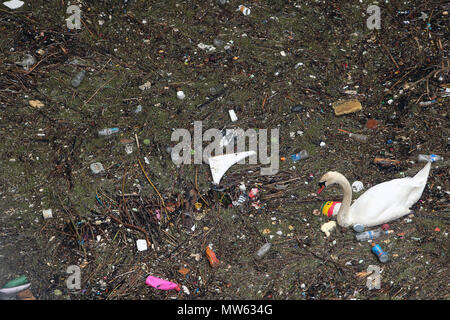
x: 382, y: 203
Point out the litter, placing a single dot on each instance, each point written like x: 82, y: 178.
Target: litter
x: 301, y: 155
x: 220, y: 164
x: 26, y: 295
x: 232, y: 115
x: 47, y: 213
x: 27, y: 62
x: 328, y: 227
x: 96, y: 167
x: 241, y: 200
x: 108, y: 131
x: 184, y: 271
x: 185, y: 290
x: 263, y: 250
x: 76, y: 81
x: 36, y: 104
x: 13, y: 287
x: 431, y: 157
x: 356, y: 136
x: 358, y: 227
x: 372, y: 124
x: 346, y: 106
x: 213, y: 261
x: 298, y: 108
x: 209, y: 48
x: 145, y: 86
x: 161, y: 284
x: 427, y: 103
x: 129, y: 148
x: 253, y: 193
x: 371, y: 234
x: 330, y: 208
x: 16, y: 282
x: 141, y: 244
x: 381, y: 255
x: 14, y: 290
x: 180, y: 95
x: 245, y: 11
x: 357, y: 186
x: 13, y: 4
x: 386, y: 163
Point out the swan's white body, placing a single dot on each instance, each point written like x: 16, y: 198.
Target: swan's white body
x: 382, y: 203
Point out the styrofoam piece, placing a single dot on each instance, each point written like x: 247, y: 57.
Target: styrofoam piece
x: 357, y: 186
x: 47, y: 213
x: 220, y: 164
x: 233, y: 115
x: 141, y: 244
x: 13, y: 4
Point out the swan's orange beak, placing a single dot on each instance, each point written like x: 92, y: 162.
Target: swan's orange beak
x: 321, y: 187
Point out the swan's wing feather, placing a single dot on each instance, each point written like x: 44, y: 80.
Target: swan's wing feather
x: 385, y: 200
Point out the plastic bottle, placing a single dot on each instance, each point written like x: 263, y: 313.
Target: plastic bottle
x: 78, y: 78
x: 371, y: 234
x: 241, y: 200
x: 431, y: 157
x: 245, y: 11
x: 382, y: 256
x: 359, y: 137
x: 27, y: 62
x: 263, y: 250
x: 301, y: 155
x: 108, y: 131
x: 427, y: 103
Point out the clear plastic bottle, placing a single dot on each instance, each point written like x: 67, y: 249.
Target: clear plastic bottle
x: 431, y: 157
x: 241, y: 200
x: 371, y: 234
x: 301, y: 155
x: 78, y: 78
x: 108, y: 131
x: 359, y: 137
x: 263, y: 250
x: 27, y: 62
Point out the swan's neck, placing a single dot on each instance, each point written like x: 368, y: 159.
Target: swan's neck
x: 343, y: 215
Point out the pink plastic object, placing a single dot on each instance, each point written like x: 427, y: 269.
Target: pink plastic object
x: 161, y: 284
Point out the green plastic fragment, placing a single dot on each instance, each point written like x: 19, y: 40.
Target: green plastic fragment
x: 16, y: 282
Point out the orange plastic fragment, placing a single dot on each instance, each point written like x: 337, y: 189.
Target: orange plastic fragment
x: 372, y: 124
x: 213, y: 261
x: 184, y: 271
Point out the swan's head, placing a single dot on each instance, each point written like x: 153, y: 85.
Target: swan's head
x: 327, y: 179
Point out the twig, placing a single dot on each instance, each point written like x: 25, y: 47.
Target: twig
x: 148, y: 179
x: 96, y: 91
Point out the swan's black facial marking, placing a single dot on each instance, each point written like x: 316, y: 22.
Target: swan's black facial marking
x: 321, y: 187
